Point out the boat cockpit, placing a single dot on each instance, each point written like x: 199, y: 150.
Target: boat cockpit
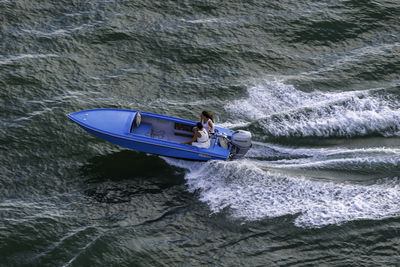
x: 161, y: 129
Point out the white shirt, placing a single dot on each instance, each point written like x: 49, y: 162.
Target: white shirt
x: 202, y: 141
x: 206, y: 125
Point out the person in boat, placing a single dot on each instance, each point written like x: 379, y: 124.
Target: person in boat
x: 207, y: 120
x: 200, y: 138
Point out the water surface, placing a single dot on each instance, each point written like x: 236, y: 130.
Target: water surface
x: 317, y: 84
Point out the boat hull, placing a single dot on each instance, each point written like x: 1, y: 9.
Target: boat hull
x: 150, y: 148
x: 147, y: 144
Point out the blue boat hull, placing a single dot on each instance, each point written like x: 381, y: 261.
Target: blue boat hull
x: 151, y: 148
x: 117, y: 132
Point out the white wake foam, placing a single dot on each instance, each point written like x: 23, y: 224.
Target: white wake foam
x: 282, y: 111
x: 260, y: 186
x: 264, y: 150
x: 356, y: 164
x: 251, y: 193
x: 365, y: 159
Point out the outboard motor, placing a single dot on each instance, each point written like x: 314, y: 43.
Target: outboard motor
x: 241, y: 143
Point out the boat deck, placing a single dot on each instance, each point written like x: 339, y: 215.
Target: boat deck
x: 166, y: 130
x: 156, y: 134
x: 163, y: 129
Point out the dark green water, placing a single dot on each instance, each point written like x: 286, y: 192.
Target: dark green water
x: 316, y: 82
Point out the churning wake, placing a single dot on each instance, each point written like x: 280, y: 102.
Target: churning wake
x: 280, y: 110
x: 263, y: 185
x: 370, y: 160
x: 252, y: 193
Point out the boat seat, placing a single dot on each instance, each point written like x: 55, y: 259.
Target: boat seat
x: 185, y: 133
x: 143, y: 129
x: 159, y: 134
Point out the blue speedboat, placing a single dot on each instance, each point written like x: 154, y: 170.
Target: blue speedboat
x: 159, y: 134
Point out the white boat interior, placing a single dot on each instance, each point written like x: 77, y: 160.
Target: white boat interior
x: 162, y: 129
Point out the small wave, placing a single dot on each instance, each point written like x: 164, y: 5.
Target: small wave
x: 371, y: 160
x: 279, y: 110
x: 267, y: 149
x: 59, y: 32
x: 205, y: 20
x: 12, y: 59
x: 356, y: 164
x: 251, y: 193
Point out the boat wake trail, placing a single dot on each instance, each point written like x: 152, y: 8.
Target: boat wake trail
x: 366, y: 160
x: 250, y: 193
x: 318, y: 185
x: 279, y: 110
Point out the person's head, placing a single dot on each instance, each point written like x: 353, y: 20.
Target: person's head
x: 199, y: 126
x: 207, y: 115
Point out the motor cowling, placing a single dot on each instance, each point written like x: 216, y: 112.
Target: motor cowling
x: 241, y: 143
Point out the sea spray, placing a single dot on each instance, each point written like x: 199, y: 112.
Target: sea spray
x: 372, y: 159
x: 280, y: 110
x: 258, y: 187
x: 251, y: 193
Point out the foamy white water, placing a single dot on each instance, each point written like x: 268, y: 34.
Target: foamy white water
x: 257, y: 187
x: 283, y: 111
x: 268, y: 149
x: 356, y: 163
x: 325, y: 158
x: 251, y: 193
